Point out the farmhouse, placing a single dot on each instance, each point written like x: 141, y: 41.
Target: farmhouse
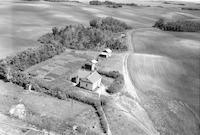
x: 88, y: 80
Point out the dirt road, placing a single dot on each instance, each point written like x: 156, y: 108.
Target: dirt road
x: 131, y: 107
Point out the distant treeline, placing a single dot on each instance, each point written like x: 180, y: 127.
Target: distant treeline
x: 180, y: 25
x: 63, y: 1
x: 111, y: 4
x: 187, y: 8
x: 182, y: 4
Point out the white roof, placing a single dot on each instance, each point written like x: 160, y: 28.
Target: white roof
x: 94, y: 61
x: 103, y: 53
x: 108, y: 50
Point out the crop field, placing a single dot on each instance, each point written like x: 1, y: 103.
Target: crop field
x: 166, y: 68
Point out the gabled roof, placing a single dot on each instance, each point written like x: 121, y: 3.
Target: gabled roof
x: 89, y: 62
x: 92, y: 77
x: 94, y: 61
x: 108, y: 50
x: 103, y: 53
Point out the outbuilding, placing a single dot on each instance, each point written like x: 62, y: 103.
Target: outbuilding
x: 103, y: 55
x: 90, y: 65
x: 108, y: 51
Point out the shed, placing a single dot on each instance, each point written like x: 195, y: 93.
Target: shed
x: 90, y: 65
x: 123, y: 35
x: 103, y: 55
x: 108, y: 51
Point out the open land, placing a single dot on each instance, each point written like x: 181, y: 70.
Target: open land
x: 161, y: 95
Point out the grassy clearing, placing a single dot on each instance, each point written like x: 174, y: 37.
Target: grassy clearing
x: 113, y: 63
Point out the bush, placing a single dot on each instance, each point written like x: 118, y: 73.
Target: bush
x: 118, y: 82
x: 117, y: 85
x: 194, y: 9
x: 95, y: 2
x: 111, y: 74
x: 19, y: 78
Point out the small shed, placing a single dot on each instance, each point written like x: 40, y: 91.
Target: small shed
x: 103, y: 55
x: 123, y: 35
x: 91, y: 65
x: 108, y: 51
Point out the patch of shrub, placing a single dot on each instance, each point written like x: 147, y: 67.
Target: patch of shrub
x: 117, y: 85
x: 19, y: 78
x: 118, y: 82
x: 180, y: 25
x: 195, y: 9
x: 115, y: 6
x: 166, y: 2
x: 110, y: 24
x: 57, y: 0
x: 95, y: 2
x: 131, y: 4
x: 111, y: 74
x: 82, y: 38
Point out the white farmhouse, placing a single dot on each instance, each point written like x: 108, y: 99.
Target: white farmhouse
x: 88, y: 80
x: 91, y: 81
